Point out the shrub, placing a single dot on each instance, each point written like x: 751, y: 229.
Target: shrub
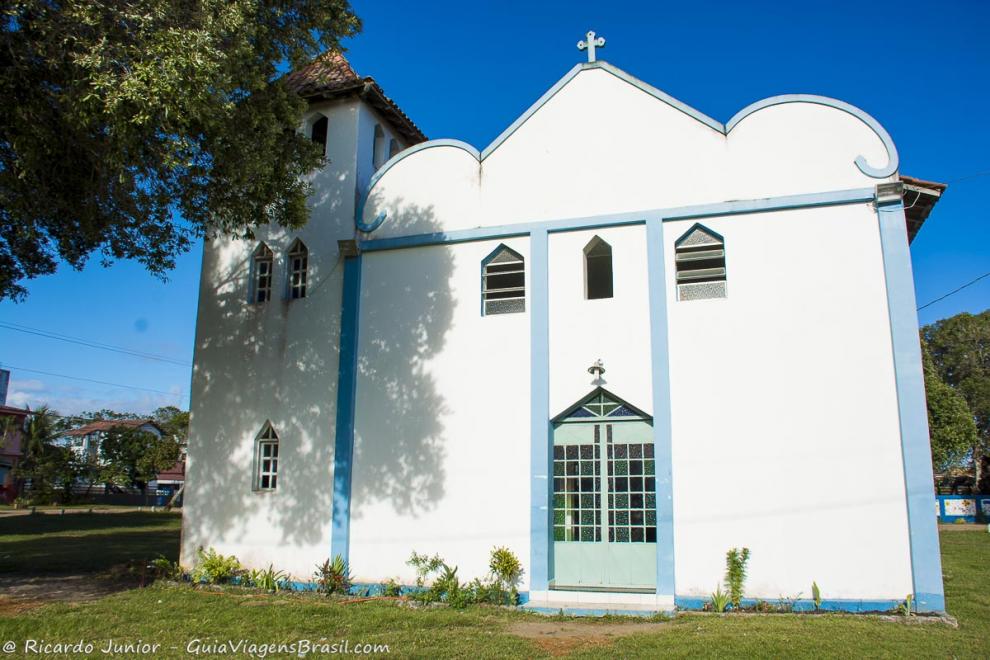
x: 333, y: 577
x: 391, y: 588
x: 904, y: 609
x: 720, y: 599
x: 506, y: 572
x: 425, y: 566
x: 268, y: 579
x: 163, y: 569
x: 816, y: 595
x: 735, y: 574
x: 214, y: 568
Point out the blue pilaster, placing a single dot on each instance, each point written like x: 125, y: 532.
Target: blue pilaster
x: 346, y: 384
x: 926, y: 562
x: 540, y: 449
x: 660, y: 364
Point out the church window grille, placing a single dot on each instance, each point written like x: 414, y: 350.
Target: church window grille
x: 577, y: 498
x: 267, y: 459
x: 318, y: 133
x: 298, y: 270
x: 699, y: 256
x: 597, y: 269
x: 264, y: 265
x: 632, y: 487
x: 503, y: 285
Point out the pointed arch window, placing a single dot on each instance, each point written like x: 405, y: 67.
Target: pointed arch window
x: 699, y: 256
x: 318, y: 133
x: 597, y: 269
x: 393, y: 148
x: 503, y: 282
x: 266, y: 459
x: 298, y: 270
x: 262, y: 266
x: 378, y: 147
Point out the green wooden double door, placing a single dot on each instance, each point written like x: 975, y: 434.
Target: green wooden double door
x: 604, y: 500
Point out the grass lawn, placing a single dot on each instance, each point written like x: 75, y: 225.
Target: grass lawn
x: 174, y: 615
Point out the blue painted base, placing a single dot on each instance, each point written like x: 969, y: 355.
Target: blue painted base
x: 836, y: 605
x: 568, y: 611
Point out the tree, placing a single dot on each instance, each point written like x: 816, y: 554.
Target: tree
x: 132, y: 457
x: 131, y: 128
x: 51, y: 468
x: 960, y: 351
x: 173, y: 422
x: 950, y: 422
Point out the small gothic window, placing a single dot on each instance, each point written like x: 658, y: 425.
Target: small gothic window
x: 264, y: 262
x: 700, y: 259
x: 503, y: 285
x: 318, y: 133
x: 597, y: 269
x: 298, y: 270
x: 378, y: 148
x: 266, y: 460
x: 393, y: 148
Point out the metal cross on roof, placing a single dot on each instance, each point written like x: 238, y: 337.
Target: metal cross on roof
x: 590, y: 44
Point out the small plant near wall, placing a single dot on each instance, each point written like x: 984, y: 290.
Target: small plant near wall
x: 391, y: 588
x: 735, y: 574
x: 425, y: 566
x: 506, y: 572
x: 816, y: 596
x: 164, y: 569
x: 214, y: 568
x: 904, y: 609
x: 268, y: 579
x: 720, y: 600
x: 332, y: 576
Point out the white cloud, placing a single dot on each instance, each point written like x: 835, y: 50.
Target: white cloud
x: 71, y: 400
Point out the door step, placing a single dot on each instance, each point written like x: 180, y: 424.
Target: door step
x: 598, y: 603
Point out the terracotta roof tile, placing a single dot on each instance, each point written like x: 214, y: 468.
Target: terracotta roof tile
x: 331, y: 76
x: 107, y: 424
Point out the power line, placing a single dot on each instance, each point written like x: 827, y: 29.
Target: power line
x: 91, y: 344
x: 91, y: 380
x: 954, y: 291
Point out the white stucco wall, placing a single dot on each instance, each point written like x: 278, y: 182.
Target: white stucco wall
x: 275, y: 361
x: 602, y: 145
x: 441, y: 450
x: 784, y: 413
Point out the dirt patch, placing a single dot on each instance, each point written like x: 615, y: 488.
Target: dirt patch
x: 20, y: 593
x: 563, y: 637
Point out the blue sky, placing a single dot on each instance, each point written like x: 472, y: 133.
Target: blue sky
x: 467, y: 70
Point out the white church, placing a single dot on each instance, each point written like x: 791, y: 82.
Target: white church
x: 620, y: 340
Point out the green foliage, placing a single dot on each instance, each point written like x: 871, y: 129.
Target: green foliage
x: 816, y: 596
x: 720, y: 599
x: 960, y: 351
x: 425, y: 566
x: 391, y: 588
x: 268, y: 579
x: 506, y: 573
x: 120, y: 118
x: 163, y: 568
x: 51, y: 468
x: 131, y: 457
x: 173, y: 422
x: 735, y: 574
x: 904, y: 609
x: 950, y: 422
x: 333, y: 576
x: 214, y: 568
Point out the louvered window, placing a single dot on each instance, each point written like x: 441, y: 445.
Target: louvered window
x: 700, y: 260
x: 503, y: 286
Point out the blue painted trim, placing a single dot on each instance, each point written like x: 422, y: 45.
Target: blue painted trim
x: 864, y: 167
x: 582, y: 611
x: 660, y: 369
x: 343, y: 452
x: 540, y: 445
x: 860, y: 162
x: 739, y: 207
x: 804, y: 605
x: 926, y: 561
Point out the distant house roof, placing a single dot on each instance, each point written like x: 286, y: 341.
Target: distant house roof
x: 920, y: 197
x: 330, y: 76
x: 107, y: 424
x: 14, y: 412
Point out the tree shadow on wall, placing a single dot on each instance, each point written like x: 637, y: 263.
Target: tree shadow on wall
x: 407, y: 310
x: 278, y: 361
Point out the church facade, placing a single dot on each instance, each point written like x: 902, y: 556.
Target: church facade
x: 620, y: 340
